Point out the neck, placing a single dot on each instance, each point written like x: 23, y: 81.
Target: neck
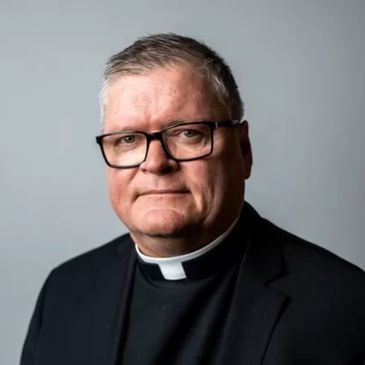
x: 167, y: 246
x: 163, y: 247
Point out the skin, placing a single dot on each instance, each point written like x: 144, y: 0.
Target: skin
x: 172, y: 208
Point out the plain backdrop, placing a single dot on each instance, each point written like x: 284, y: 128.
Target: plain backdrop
x: 300, y: 69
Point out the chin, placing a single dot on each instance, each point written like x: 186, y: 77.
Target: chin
x: 163, y: 223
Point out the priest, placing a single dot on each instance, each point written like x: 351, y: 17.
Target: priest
x: 200, y: 278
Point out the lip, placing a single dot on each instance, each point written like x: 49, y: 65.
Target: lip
x: 163, y: 192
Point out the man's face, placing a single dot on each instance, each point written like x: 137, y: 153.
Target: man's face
x: 167, y: 201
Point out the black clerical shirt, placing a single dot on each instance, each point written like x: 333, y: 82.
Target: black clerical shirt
x: 181, y: 321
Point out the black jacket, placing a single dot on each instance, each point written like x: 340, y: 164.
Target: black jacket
x: 294, y: 303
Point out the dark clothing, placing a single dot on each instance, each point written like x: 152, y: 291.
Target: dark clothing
x: 182, y: 321
x: 281, y: 301
x: 179, y: 324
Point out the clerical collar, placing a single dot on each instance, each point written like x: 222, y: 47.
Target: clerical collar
x: 190, y: 265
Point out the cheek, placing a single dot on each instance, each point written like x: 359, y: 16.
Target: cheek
x: 118, y: 185
x: 204, y: 183
x: 217, y: 180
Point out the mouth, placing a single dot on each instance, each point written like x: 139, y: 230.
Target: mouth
x: 163, y: 192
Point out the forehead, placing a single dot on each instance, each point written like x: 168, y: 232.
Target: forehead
x: 160, y: 97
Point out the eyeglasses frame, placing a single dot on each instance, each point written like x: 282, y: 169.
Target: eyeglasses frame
x: 213, y: 124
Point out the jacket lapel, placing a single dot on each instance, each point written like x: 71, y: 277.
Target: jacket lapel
x: 111, y: 293
x: 255, y: 306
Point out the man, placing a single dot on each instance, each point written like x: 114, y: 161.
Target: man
x: 201, y: 278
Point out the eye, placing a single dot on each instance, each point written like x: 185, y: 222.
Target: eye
x: 186, y: 132
x: 189, y: 133
x: 127, y: 139
x: 124, y: 142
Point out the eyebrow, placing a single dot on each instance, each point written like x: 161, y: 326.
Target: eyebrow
x: 170, y: 124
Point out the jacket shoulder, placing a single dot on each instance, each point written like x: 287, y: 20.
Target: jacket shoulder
x: 315, y: 271
x: 303, y: 253
x: 94, y: 260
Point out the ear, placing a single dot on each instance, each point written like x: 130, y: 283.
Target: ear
x: 245, y: 146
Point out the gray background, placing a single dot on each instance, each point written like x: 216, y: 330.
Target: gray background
x: 300, y: 67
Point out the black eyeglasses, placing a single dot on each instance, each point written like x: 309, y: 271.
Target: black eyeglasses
x: 181, y: 142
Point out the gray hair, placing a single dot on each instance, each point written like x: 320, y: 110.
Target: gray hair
x: 161, y: 50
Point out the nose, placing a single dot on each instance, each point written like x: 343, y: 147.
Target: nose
x: 157, y: 161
